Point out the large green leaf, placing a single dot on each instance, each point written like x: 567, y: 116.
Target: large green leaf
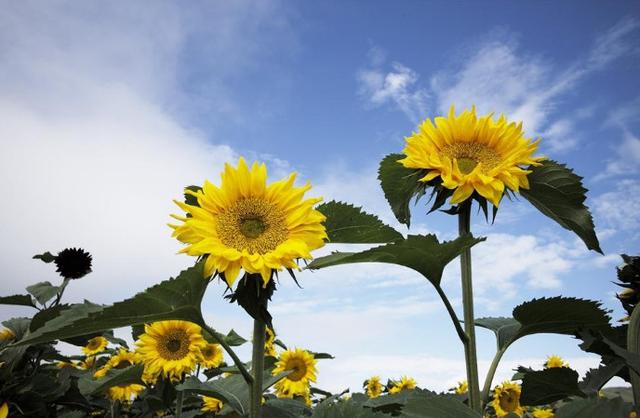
x: 504, y: 328
x: 177, y: 298
x: 400, y: 185
x: 595, y: 408
x: 114, y: 377
x: 423, y: 404
x: 348, y: 409
x: 422, y: 253
x: 595, y: 379
x: 20, y: 300
x: 43, y: 291
x: 349, y: 224
x: 557, y: 192
x: 545, y: 386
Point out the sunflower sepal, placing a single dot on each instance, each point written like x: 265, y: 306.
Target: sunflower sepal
x: 253, y: 295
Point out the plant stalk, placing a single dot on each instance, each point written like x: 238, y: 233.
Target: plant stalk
x: 257, y: 367
x: 471, y: 358
x: 236, y: 360
x: 179, y: 400
x: 491, y: 373
x: 452, y: 313
x: 633, y: 345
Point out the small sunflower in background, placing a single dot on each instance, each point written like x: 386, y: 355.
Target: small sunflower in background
x: 468, y: 154
x: 170, y: 348
x: 210, y: 404
x: 374, y: 387
x: 461, y: 388
x: 405, y: 383
x: 94, y: 346
x: 554, y: 361
x: 249, y: 225
x: 73, y: 263
x: 7, y: 335
x: 269, y: 343
x: 121, y: 360
x: 542, y: 413
x: 303, y: 365
x: 4, y: 410
x: 506, y: 399
x: 211, y: 356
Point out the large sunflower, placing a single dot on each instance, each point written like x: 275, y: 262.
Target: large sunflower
x: 170, y: 348
x: 245, y: 224
x: 506, y: 399
x: 405, y: 383
x: 472, y: 154
x: 303, y: 365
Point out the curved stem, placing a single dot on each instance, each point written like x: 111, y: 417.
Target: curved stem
x: 491, y: 373
x: 633, y: 345
x: 232, y: 354
x: 257, y: 367
x: 456, y: 322
x: 471, y: 359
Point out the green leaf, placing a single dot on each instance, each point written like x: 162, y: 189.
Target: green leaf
x: 549, y: 385
x: 233, y: 339
x: 114, y: 377
x: 43, y: 291
x: 557, y: 192
x: 190, y: 199
x: 292, y: 406
x: 348, y: 409
x: 595, y: 408
x: 422, y: 253
x: 47, y: 257
x: 348, y: 224
x: 20, y: 300
x: 177, y: 298
x: 595, y: 379
x: 400, y: 185
x: 559, y: 315
x: 504, y: 328
x: 428, y: 405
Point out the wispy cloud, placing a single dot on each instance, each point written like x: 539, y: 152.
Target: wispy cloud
x: 618, y: 209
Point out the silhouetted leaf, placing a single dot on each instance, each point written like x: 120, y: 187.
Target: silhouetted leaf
x: 43, y: 291
x: 594, y: 408
x: 114, y: 377
x: 549, y: 385
x: 504, y: 328
x: 20, y: 300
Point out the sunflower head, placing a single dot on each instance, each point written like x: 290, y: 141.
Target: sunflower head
x: 374, y: 387
x: 465, y: 155
x: 506, y: 399
x: 122, y: 360
x: 462, y: 388
x: 542, y: 413
x: 629, y: 278
x: 7, y: 335
x: 210, y: 404
x: 303, y: 367
x: 554, y: 362
x: 246, y: 224
x: 73, y: 263
x: 211, y: 356
x: 405, y: 383
x: 170, y: 348
x: 124, y: 393
x: 95, y: 345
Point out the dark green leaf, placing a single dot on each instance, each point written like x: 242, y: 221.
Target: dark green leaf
x: 21, y: 300
x: 349, y: 224
x: 549, y: 385
x: 400, y: 185
x: 595, y: 379
x: 348, y: 409
x: 233, y: 339
x: 422, y: 253
x: 114, y: 377
x: 292, y: 406
x: 557, y: 192
x: 254, y: 297
x: 504, y: 328
x: 428, y: 405
x: 594, y: 408
x: 177, y: 298
x: 43, y: 291
x: 47, y: 257
x: 190, y: 199
x: 19, y: 326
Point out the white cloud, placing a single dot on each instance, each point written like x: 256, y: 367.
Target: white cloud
x: 618, y: 209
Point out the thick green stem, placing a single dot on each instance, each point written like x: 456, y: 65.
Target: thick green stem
x: 491, y: 374
x: 179, y: 400
x: 471, y: 358
x: 236, y: 360
x: 257, y: 367
x: 633, y: 345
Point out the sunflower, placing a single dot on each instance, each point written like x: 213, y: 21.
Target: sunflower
x: 542, y: 413
x: 506, y: 399
x: 405, y: 383
x: 210, y: 404
x: 7, y: 335
x: 555, y: 361
x: 170, y: 348
x: 121, y: 360
x: 269, y: 346
x: 374, y: 387
x: 4, y: 410
x: 73, y: 263
x: 124, y: 393
x: 462, y: 388
x: 211, y: 356
x: 245, y: 224
x: 472, y: 154
x: 303, y: 365
x: 94, y: 346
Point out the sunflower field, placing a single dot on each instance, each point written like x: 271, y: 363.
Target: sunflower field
x: 247, y: 234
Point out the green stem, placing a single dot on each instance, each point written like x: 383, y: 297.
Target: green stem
x: 452, y: 313
x: 491, y: 373
x: 633, y: 345
x: 236, y: 360
x: 65, y: 282
x: 179, y: 400
x: 471, y: 359
x: 257, y: 366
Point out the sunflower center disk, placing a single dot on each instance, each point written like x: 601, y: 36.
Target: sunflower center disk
x: 508, y: 401
x: 299, y: 369
x: 123, y: 364
x: 252, y: 224
x: 470, y: 154
x: 175, y: 346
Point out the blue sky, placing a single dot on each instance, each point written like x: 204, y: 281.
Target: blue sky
x: 108, y: 111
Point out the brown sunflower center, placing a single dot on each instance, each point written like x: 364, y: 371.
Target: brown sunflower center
x: 174, y: 345
x: 299, y: 368
x: 123, y: 364
x: 252, y: 224
x: 469, y: 154
x: 509, y: 400
x: 93, y: 344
